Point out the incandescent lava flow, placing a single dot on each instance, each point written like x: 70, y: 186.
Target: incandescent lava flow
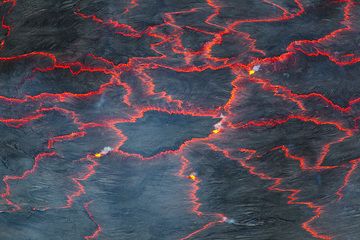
x: 165, y: 119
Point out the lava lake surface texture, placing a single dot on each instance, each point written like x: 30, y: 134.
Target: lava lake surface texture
x: 180, y: 120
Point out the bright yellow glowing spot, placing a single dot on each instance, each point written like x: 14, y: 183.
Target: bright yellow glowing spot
x: 192, y: 177
x: 216, y: 131
x: 98, y: 155
x: 251, y: 72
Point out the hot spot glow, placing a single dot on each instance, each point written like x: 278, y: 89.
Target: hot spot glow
x: 215, y: 131
x: 192, y: 177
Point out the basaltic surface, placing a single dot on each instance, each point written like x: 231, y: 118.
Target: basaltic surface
x: 179, y: 119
